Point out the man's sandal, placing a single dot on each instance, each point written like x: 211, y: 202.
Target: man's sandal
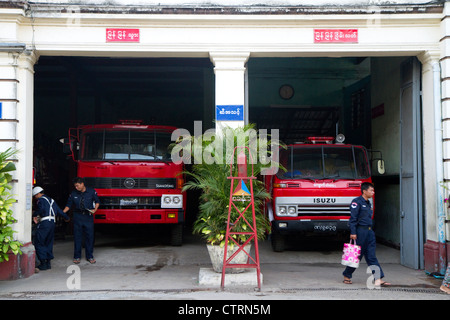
x: 347, y: 281
x: 383, y: 284
x: 76, y: 261
x: 92, y: 261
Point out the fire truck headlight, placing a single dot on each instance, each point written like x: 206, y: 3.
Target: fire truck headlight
x: 281, y: 210
x: 176, y: 200
x: 171, y: 201
x: 292, y: 210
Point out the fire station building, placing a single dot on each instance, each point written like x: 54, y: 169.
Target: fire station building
x: 376, y: 71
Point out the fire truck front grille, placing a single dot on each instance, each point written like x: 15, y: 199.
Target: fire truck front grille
x: 311, y: 210
x: 130, y: 202
x: 130, y: 183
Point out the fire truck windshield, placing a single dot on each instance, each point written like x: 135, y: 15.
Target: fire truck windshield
x: 324, y: 162
x: 119, y: 145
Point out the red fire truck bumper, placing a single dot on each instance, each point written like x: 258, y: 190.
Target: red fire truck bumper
x: 169, y: 216
x: 286, y: 227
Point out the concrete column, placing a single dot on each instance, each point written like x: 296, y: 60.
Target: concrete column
x: 8, y: 100
x: 16, y: 130
x: 436, y: 104
x: 443, y: 219
x: 443, y: 230
x: 24, y: 134
x: 229, y: 70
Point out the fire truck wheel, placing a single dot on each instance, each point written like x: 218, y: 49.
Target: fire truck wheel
x: 278, y: 241
x: 176, y: 235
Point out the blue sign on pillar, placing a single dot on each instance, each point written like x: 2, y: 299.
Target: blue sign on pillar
x: 1, y: 110
x: 230, y: 113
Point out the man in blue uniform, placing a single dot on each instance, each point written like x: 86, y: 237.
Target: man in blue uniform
x: 361, y: 231
x: 45, y: 218
x: 85, y: 203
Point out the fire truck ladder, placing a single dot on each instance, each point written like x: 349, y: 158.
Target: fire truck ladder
x: 241, y: 193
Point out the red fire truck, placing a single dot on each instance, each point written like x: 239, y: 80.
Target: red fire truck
x: 313, y: 196
x: 130, y: 167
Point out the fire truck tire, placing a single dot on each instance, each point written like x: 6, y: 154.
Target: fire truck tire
x: 278, y: 242
x: 176, y: 235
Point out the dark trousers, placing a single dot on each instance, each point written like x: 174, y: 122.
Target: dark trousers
x: 45, y: 233
x: 83, y: 227
x: 366, y: 239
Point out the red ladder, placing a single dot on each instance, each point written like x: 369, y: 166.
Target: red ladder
x: 241, y: 193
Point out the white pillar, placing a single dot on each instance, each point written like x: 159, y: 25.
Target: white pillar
x: 8, y: 100
x: 444, y: 227
x: 230, y: 106
x: 16, y: 131
x: 25, y: 115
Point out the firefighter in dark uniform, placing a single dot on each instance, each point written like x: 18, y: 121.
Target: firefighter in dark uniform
x: 45, y: 218
x: 85, y: 203
x: 362, y: 232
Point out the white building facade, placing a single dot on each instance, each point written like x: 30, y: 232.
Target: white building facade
x: 232, y: 33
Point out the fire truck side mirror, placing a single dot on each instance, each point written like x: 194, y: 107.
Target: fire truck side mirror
x: 66, y: 145
x: 69, y: 147
x: 380, y: 166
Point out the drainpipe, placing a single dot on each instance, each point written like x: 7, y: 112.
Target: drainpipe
x: 441, y: 214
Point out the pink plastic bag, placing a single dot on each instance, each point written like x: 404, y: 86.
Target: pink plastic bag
x: 351, y: 254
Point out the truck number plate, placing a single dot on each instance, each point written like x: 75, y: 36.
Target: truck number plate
x: 325, y: 227
x: 128, y: 201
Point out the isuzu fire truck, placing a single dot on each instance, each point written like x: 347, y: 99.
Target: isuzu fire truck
x: 130, y: 167
x: 313, y: 196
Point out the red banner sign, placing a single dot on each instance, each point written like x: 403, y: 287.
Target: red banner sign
x: 378, y: 111
x: 335, y: 35
x: 122, y: 35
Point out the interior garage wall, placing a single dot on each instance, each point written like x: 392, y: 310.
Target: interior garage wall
x: 318, y: 100
x: 316, y: 81
x: 72, y: 91
x: 385, y: 90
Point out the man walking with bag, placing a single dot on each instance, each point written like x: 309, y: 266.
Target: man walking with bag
x: 361, y: 231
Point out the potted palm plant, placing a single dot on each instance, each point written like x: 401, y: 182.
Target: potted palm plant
x: 211, y: 177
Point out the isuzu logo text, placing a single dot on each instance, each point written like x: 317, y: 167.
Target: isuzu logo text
x: 324, y: 200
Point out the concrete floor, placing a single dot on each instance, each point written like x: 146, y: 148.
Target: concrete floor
x: 142, y: 265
